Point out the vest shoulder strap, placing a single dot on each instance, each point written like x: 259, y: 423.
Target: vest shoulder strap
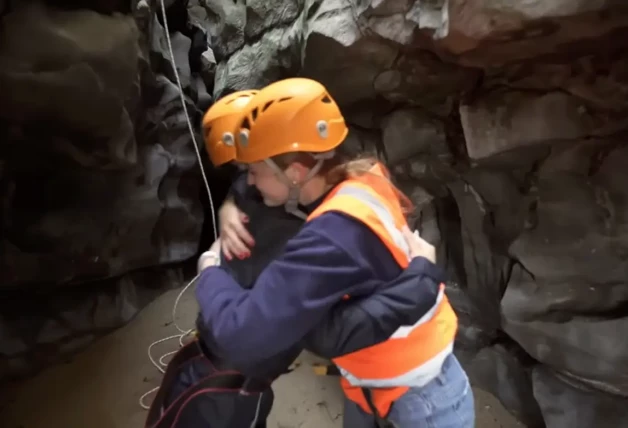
x: 362, y: 204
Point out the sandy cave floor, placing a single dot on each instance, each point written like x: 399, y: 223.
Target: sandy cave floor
x: 100, y: 387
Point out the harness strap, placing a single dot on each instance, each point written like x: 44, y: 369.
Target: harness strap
x: 161, y: 417
x: 332, y: 370
x: 379, y: 420
x: 189, y: 351
x: 208, y: 385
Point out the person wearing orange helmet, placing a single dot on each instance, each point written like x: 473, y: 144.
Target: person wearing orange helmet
x: 226, y: 397
x: 244, y: 397
x: 219, y: 122
x: 354, y: 242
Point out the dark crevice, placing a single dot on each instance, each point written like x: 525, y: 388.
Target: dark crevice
x: 8, y: 8
x: 177, y: 16
x: 523, y: 268
x: 505, y: 276
x: 314, y: 7
x: 454, y: 135
x: 474, y: 90
x: 199, y: 45
x: 450, y: 224
x: 531, y: 177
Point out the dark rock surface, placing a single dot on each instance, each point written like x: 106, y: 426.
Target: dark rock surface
x: 504, y: 121
x: 506, y: 124
x: 100, y: 190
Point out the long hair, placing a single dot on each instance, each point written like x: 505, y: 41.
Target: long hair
x: 344, y: 167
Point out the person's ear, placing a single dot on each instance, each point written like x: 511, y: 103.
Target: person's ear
x: 297, y: 172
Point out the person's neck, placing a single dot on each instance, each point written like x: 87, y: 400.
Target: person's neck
x: 313, y: 190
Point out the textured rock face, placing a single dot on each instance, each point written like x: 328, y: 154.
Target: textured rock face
x: 504, y: 121
x: 99, y: 182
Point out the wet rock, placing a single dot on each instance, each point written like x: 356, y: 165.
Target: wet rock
x: 393, y: 27
x: 600, y: 83
x: 422, y: 79
x: 507, y: 373
x: 567, y: 404
x: 431, y: 16
x: 181, y: 48
x: 425, y: 217
x: 225, y: 22
x: 571, y: 260
x: 493, y: 32
x: 204, y: 100
x: 272, y: 55
x: 407, y: 133
x: 262, y: 15
x: 361, y: 141
x: 505, y: 121
x: 485, y: 267
x: 98, y: 174
x: 351, y: 52
x: 208, y: 67
x: 44, y: 57
x: 161, y: 57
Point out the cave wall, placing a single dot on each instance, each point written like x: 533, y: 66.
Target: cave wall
x: 100, y: 189
x: 504, y: 121
x: 506, y: 124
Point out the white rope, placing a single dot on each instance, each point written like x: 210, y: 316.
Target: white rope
x: 187, y: 116
x: 160, y: 364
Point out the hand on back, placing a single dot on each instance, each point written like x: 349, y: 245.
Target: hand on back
x: 235, y: 239
x: 419, y: 247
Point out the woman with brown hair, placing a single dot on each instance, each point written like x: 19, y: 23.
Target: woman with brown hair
x: 355, y: 240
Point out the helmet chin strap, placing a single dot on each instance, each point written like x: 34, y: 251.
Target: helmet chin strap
x: 294, y: 187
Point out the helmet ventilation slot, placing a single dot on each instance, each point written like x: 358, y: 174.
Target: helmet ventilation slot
x: 246, y: 124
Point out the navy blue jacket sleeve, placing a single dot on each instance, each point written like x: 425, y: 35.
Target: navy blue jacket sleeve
x: 360, y: 323
x: 291, y: 296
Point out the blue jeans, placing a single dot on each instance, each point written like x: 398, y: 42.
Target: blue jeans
x: 445, y: 402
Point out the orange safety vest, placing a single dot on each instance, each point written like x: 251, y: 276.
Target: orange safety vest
x: 413, y: 355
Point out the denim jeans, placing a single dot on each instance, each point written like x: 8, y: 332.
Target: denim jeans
x: 445, y: 402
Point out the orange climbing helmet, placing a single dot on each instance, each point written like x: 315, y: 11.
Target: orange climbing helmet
x: 291, y: 115
x: 219, y: 125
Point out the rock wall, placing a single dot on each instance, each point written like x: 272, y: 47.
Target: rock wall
x: 504, y: 121
x: 100, y: 190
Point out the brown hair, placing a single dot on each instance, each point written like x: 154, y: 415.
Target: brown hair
x: 342, y: 167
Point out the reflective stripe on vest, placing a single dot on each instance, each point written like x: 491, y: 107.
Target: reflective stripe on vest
x: 381, y: 211
x: 429, y: 369
x: 413, y: 355
x: 389, y: 223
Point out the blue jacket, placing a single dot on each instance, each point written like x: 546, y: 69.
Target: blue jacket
x: 298, y: 297
x: 271, y: 227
